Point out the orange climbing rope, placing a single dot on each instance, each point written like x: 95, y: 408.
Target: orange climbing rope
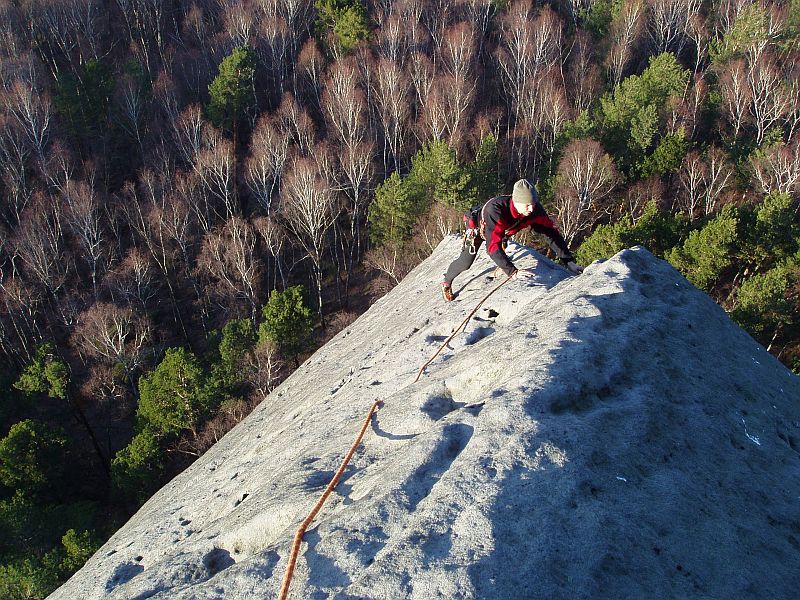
x: 457, y: 329
x: 298, y: 536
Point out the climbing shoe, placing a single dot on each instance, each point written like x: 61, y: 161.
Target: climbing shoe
x: 447, y: 292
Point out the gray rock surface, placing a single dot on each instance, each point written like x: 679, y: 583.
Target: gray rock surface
x: 612, y: 435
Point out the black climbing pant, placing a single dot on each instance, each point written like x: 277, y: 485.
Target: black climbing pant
x: 464, y: 261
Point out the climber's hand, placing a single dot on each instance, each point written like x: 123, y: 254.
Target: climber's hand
x: 574, y: 267
x: 522, y: 274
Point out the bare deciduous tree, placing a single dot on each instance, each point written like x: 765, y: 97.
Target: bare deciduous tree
x: 269, y: 150
x: 131, y: 104
x: 698, y: 33
x: 50, y: 22
x: 691, y: 176
x: 586, y: 176
x: 391, y: 40
x: 392, y: 103
x: 792, y: 91
x: 736, y: 95
x: 515, y: 54
x: 59, y: 167
x: 392, y: 261
x: 777, y: 168
x: 114, y: 334
x: 479, y: 13
x: 638, y: 195
x: 144, y: 22
x: 309, y: 70
x: 14, y: 152
x: 215, y: 166
x: 264, y: 372
x: 768, y: 100
x: 238, y: 23
x: 228, y: 255
x: 39, y: 242
x: 20, y: 305
x: 273, y: 236
x: 669, y: 23
x: 84, y: 217
x: 421, y: 72
x: 343, y: 103
x: 551, y: 112
x: 718, y: 178
x: 357, y: 168
x: 188, y: 132
x: 136, y: 207
x: 274, y: 40
x: 583, y: 75
x: 31, y: 109
x: 309, y: 207
x: 294, y: 122
x: 624, y: 33
x: 458, y: 50
x: 133, y: 281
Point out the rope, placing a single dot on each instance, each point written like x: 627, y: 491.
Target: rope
x: 298, y: 537
x: 457, y: 329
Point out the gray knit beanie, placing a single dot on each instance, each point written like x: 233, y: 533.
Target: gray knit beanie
x: 524, y: 192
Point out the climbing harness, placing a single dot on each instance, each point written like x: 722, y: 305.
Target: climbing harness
x: 298, y: 536
x: 473, y: 223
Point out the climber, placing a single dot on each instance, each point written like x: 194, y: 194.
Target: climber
x: 499, y: 219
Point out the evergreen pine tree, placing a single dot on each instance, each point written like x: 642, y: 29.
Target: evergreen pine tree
x: 288, y: 321
x: 232, y: 92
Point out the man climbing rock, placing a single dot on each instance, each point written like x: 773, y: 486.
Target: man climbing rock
x: 499, y: 219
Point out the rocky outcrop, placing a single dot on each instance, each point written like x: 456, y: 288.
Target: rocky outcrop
x: 612, y: 435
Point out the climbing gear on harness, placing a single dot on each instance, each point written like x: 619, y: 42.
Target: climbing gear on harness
x: 471, y: 237
x: 472, y: 228
x: 447, y: 292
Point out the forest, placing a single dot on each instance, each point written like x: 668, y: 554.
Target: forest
x: 196, y: 195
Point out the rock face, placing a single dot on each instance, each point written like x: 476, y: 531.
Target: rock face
x: 612, y: 435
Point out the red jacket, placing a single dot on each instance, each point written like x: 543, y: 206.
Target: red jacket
x: 499, y: 220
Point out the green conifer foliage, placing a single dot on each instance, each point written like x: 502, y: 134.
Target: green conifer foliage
x: 83, y: 101
x: 483, y: 173
x: 46, y: 374
x: 629, y: 116
x: 173, y: 396
x: 772, y: 233
x: 232, y: 94
x: 749, y: 27
x: 436, y: 175
x: 654, y: 230
x: 30, y: 456
x: 341, y: 24
x: 707, y: 251
x: 764, y: 302
x: 78, y: 548
x: 136, y: 468
x: 393, y: 212
x: 237, y: 342
x: 288, y: 321
x: 667, y: 156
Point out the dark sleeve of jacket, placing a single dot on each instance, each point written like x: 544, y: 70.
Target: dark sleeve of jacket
x: 544, y: 225
x: 494, y: 233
